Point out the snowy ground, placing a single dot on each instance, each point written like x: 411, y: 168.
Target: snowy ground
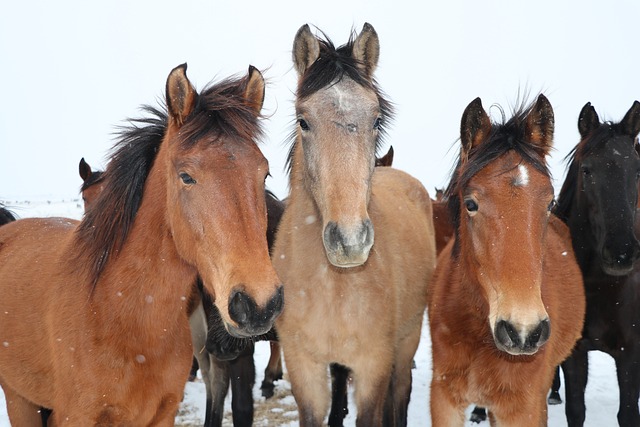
x: 602, y: 390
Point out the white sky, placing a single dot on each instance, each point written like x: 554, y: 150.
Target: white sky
x: 73, y: 70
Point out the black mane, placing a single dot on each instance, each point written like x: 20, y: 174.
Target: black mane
x: 330, y: 68
x: 503, y: 137
x: 221, y: 110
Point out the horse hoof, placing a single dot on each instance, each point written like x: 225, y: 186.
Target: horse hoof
x: 267, y: 390
x: 478, y: 415
x: 554, y: 398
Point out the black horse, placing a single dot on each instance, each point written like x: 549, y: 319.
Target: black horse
x: 598, y: 201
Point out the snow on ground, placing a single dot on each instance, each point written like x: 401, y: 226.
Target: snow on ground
x: 601, y: 395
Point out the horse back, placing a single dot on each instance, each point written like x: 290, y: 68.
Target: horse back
x: 29, y: 250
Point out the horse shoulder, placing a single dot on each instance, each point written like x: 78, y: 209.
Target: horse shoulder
x: 563, y: 291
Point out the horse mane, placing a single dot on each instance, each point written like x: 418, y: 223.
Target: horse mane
x: 504, y: 137
x: 575, y: 157
x: 330, y: 68
x: 220, y: 110
x: 6, y: 216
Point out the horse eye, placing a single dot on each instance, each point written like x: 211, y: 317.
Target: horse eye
x: 377, y: 124
x: 552, y: 205
x: 586, y: 171
x: 186, y: 178
x: 471, y: 205
x: 303, y: 124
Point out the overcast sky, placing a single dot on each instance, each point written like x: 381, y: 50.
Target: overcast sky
x: 73, y: 70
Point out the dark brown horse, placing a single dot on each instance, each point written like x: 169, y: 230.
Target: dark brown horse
x: 598, y: 202
x: 92, y: 183
x: 506, y: 304
x: 355, y: 266
x: 113, y: 288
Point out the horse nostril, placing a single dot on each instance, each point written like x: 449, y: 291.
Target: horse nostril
x: 239, y: 308
x: 539, y: 335
x: 507, y: 335
x: 622, y: 258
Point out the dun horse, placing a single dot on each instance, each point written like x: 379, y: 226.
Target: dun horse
x: 110, y: 322
x: 355, y: 247
x: 598, y: 202
x: 507, y: 303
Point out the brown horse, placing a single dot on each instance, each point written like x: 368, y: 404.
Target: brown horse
x: 92, y: 183
x: 351, y: 299
x: 441, y: 221
x: 107, y: 341
x: 506, y: 305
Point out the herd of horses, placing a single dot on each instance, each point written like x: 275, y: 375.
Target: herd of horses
x: 183, y: 253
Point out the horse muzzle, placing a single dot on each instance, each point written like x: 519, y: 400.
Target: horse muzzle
x: 521, y: 340
x: 620, y: 262
x: 348, y: 247
x: 250, y: 319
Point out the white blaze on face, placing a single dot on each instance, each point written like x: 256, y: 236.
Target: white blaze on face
x: 522, y: 180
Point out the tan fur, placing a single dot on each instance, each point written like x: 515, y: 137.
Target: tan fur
x: 367, y: 318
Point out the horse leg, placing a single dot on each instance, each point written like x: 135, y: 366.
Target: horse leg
x: 628, y: 371
x: 554, y: 397
x: 401, y: 380
x: 273, y: 371
x: 576, y: 369
x: 215, y: 375
x: 243, y: 376
x: 371, y: 389
x: 309, y: 387
x: 339, y: 400
x: 21, y: 411
x: 478, y: 415
x: 443, y: 407
x: 194, y: 369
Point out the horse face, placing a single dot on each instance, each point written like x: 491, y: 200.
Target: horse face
x: 216, y: 196
x: 505, y: 211
x: 608, y: 179
x: 338, y: 132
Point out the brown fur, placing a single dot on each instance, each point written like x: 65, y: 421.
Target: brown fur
x: 514, y: 261
x: 117, y: 350
x: 366, y: 314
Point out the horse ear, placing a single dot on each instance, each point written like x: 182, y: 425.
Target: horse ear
x: 181, y: 96
x: 85, y: 169
x: 254, y: 92
x: 588, y: 120
x: 631, y: 121
x: 387, y: 159
x: 540, y: 124
x: 474, y: 127
x: 366, y: 49
x: 306, y: 49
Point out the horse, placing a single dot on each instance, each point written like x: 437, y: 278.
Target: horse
x: 355, y: 247
x: 6, y: 216
x: 92, y: 182
x: 598, y: 202
x: 506, y: 304
x: 441, y: 221
x: 113, y: 287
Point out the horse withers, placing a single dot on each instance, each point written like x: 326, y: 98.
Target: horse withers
x: 598, y: 201
x: 355, y: 247
x: 113, y: 288
x: 506, y: 305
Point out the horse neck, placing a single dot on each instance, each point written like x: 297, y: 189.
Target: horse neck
x: 147, y: 284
